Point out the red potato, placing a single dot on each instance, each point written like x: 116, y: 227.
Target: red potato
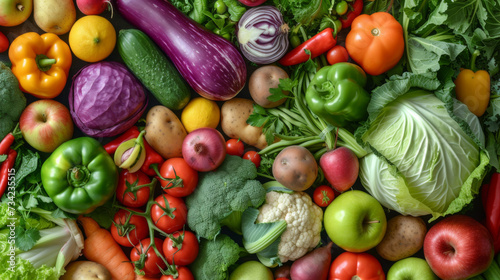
x: 314, y: 265
x: 295, y: 168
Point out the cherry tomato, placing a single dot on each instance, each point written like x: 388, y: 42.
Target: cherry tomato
x: 184, y: 274
x: 253, y: 156
x: 4, y: 43
x: 235, y: 147
x: 323, y: 195
x: 341, y: 7
x: 337, y: 54
x: 174, y: 168
x: 170, y: 214
x: 152, y: 260
x: 136, y: 229
x: 182, y: 248
x: 125, y: 192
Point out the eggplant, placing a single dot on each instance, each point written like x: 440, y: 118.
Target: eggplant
x: 210, y: 64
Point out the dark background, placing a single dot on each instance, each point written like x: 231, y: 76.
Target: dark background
x: 474, y: 209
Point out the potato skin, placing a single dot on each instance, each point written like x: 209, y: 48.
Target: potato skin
x: 403, y: 238
x: 234, y: 115
x: 295, y: 168
x: 262, y: 80
x: 85, y: 270
x: 164, y: 132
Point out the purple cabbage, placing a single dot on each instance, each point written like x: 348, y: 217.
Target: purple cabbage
x: 210, y: 64
x: 106, y: 99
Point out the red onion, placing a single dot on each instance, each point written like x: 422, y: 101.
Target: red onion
x: 263, y: 34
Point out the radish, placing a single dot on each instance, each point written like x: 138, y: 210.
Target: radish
x: 94, y: 7
x: 314, y: 265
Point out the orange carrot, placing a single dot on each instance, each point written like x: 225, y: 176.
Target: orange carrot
x: 100, y: 247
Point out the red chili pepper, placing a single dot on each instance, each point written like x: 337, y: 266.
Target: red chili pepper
x: 357, y: 8
x: 492, y: 208
x: 6, y: 143
x: 6, y: 170
x: 131, y: 133
x: 317, y: 45
x: 4, y: 43
x: 153, y: 160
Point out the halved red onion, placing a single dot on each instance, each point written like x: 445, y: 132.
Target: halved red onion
x: 263, y: 34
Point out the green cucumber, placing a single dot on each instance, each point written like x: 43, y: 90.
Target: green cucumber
x: 148, y: 63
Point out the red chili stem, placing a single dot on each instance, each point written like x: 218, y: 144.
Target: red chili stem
x: 131, y: 133
x: 317, y: 45
x: 6, y: 170
x: 357, y: 8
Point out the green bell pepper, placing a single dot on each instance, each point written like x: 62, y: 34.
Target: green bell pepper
x: 337, y: 95
x: 79, y: 175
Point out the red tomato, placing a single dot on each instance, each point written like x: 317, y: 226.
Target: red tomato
x: 363, y: 265
x: 323, y: 195
x: 337, y: 54
x: 184, y: 245
x: 253, y: 156
x: 184, y: 274
x: 235, y: 147
x: 4, y: 43
x: 169, y: 213
x: 282, y: 278
x: 152, y: 260
x: 174, y: 168
x: 127, y: 183
x: 136, y: 229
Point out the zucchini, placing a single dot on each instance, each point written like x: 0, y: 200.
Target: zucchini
x: 148, y: 63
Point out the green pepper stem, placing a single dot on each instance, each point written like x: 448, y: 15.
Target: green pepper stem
x: 46, y: 62
x: 78, y: 176
x: 475, y: 54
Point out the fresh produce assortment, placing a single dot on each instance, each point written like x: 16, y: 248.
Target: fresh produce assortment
x: 249, y: 139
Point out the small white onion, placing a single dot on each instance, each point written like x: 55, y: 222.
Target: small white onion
x: 263, y: 35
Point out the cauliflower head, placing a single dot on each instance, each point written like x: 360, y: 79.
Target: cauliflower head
x: 303, y: 218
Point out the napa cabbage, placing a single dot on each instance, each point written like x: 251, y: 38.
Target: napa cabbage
x: 427, y: 149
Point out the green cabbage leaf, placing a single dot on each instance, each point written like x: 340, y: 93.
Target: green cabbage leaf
x: 427, y: 149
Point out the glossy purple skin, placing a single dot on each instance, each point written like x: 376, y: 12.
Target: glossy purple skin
x: 210, y: 64
x: 106, y: 99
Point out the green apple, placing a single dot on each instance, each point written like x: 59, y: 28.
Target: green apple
x: 251, y: 270
x: 411, y: 269
x: 355, y: 221
x: 15, y: 12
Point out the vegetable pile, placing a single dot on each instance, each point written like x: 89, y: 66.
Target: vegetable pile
x: 250, y: 139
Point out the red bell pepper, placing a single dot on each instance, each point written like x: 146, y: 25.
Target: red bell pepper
x: 317, y: 45
x: 152, y: 162
x: 491, y: 203
x: 6, y: 171
x: 131, y: 133
x: 349, y: 265
x: 357, y: 8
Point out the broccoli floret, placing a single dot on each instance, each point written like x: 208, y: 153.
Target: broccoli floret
x: 215, y: 257
x: 12, y: 100
x: 231, y: 187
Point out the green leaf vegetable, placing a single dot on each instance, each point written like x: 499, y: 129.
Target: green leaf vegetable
x: 228, y: 189
x: 12, y: 100
x: 429, y: 153
x: 40, y: 252
x: 215, y: 257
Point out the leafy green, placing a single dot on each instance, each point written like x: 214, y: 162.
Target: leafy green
x: 26, y: 238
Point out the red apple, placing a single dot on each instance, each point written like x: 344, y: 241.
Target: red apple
x: 46, y: 124
x: 15, y: 12
x: 340, y: 167
x: 458, y: 247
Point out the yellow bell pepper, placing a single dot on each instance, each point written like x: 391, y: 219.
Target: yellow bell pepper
x: 473, y: 88
x: 41, y: 63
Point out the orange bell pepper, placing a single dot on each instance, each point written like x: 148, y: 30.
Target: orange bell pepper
x: 473, y: 88
x: 375, y: 42
x: 41, y: 63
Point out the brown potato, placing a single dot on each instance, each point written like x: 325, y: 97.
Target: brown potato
x: 262, y: 80
x: 403, y: 238
x: 295, y: 168
x: 164, y: 132
x: 234, y: 115
x: 85, y: 270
